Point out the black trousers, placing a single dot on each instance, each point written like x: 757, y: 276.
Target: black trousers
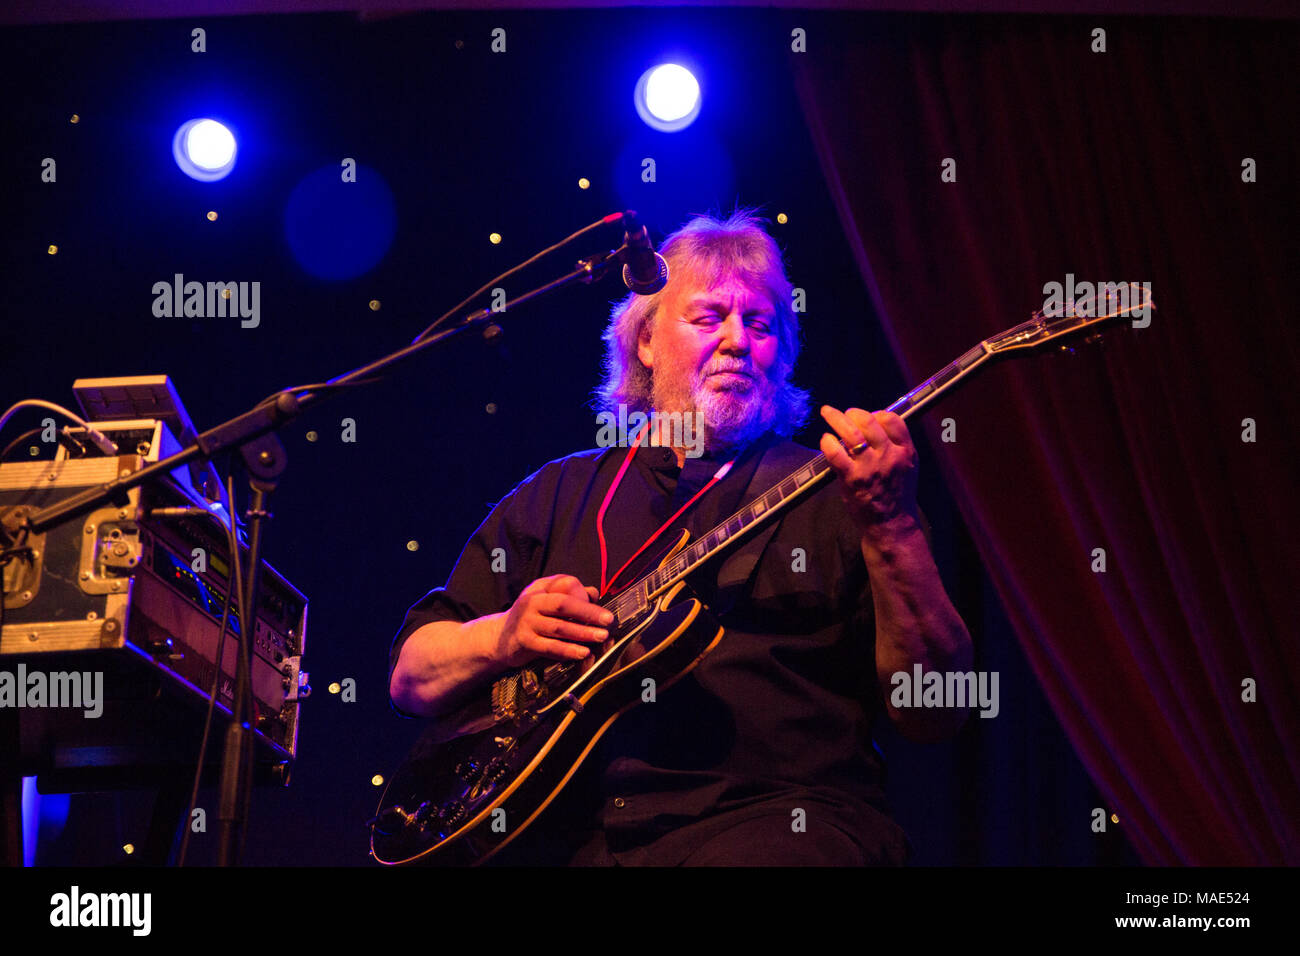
x: 756, y: 841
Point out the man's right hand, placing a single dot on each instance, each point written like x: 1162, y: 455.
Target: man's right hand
x: 553, y: 617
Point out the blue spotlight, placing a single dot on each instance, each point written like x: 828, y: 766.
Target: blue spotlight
x: 667, y: 97
x: 337, y: 229
x: 204, y: 150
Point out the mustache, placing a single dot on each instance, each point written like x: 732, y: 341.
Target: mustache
x: 734, y: 366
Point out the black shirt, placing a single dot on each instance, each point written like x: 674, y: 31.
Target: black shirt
x: 776, y: 718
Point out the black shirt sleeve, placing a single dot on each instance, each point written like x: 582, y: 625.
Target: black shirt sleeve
x: 497, y: 563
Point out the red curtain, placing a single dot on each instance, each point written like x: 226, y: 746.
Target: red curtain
x: 1173, y: 671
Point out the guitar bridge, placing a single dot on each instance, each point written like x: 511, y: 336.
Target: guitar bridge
x: 515, y: 692
x: 505, y: 697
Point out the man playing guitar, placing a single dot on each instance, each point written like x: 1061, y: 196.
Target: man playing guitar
x: 762, y: 754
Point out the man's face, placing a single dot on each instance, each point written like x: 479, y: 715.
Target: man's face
x: 712, y: 353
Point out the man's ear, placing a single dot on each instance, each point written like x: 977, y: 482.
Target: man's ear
x: 643, y: 350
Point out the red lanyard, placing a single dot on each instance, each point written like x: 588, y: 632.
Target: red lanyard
x: 609, y: 496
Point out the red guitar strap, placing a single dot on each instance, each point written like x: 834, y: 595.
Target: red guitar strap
x: 605, y: 586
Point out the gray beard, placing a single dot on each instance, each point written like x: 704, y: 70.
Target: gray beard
x: 730, y: 418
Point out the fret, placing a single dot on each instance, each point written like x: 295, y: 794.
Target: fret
x: 788, y: 487
x: 920, y: 393
x: 971, y: 358
x: 946, y: 375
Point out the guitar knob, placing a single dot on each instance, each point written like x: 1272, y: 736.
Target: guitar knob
x: 389, y: 821
x: 451, y: 813
x: 496, y: 770
x: 467, y: 770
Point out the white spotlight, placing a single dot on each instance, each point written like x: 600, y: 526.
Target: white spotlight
x: 667, y: 97
x: 204, y: 149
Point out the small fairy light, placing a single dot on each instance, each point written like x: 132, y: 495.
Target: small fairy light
x: 33, y: 450
x: 1114, y: 818
x: 490, y: 408
x: 412, y: 545
x: 53, y: 250
x: 782, y: 218
x: 212, y: 215
x: 335, y: 687
x: 460, y: 44
x: 128, y: 849
x: 377, y: 780
x: 495, y: 238
x: 584, y: 183
x: 74, y: 119
x: 374, y: 305
x: 311, y: 436
x: 225, y: 293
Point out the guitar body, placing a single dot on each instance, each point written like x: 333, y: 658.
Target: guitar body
x: 460, y: 801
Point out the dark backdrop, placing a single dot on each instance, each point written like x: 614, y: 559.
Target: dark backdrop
x: 468, y: 143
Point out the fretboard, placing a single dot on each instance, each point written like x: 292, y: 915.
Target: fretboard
x: 636, y: 598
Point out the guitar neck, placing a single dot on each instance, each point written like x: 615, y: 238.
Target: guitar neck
x: 636, y: 598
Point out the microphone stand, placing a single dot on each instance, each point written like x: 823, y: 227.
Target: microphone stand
x: 253, y: 433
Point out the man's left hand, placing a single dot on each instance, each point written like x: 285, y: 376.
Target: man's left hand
x: 878, y: 482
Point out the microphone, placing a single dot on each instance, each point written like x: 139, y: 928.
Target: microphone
x: 644, y: 271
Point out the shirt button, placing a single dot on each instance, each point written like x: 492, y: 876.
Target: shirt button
x: 620, y: 802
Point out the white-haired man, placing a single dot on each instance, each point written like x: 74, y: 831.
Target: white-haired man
x: 763, y: 753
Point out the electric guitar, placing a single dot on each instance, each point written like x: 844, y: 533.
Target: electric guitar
x: 488, y: 770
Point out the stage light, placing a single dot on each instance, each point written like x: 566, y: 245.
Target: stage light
x: 204, y: 150
x: 667, y: 97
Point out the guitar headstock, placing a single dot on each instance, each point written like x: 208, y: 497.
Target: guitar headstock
x: 1112, y: 303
